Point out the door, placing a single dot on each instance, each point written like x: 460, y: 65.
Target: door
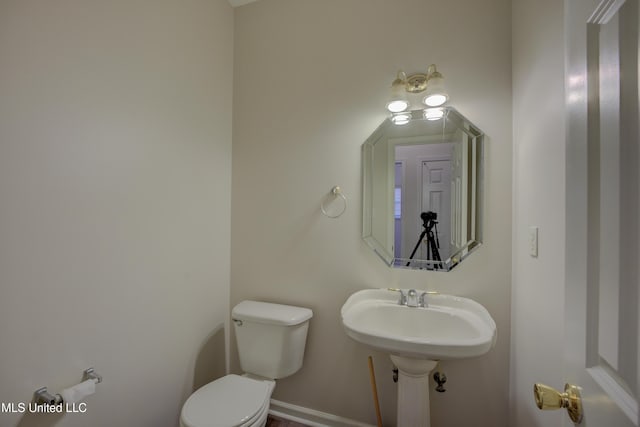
x: 436, y: 198
x: 601, y: 293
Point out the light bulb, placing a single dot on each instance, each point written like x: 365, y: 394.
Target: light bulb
x: 401, y: 118
x: 435, y: 100
x: 433, y: 113
x: 435, y: 94
x: 398, y: 101
x: 397, y: 105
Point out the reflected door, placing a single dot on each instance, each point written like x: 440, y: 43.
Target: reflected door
x: 436, y: 197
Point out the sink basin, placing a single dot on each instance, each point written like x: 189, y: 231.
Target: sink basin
x: 450, y: 327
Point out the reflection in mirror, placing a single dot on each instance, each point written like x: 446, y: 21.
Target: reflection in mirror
x: 422, y: 191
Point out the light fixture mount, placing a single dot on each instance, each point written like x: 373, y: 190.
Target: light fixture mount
x: 417, y: 83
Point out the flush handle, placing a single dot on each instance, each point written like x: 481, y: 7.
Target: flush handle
x: 548, y: 398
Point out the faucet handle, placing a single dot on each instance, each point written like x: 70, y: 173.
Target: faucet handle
x: 422, y: 301
x: 403, y: 296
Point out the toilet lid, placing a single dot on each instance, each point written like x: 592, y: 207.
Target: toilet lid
x: 227, y: 402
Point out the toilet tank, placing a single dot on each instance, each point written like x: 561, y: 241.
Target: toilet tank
x: 271, y: 337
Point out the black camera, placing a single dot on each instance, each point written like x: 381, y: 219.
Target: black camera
x: 429, y: 216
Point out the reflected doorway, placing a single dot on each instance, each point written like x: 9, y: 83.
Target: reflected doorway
x: 422, y: 202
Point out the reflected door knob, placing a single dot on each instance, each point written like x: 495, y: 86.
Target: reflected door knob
x: 548, y: 398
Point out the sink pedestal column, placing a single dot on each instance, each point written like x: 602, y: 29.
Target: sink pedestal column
x: 413, y: 391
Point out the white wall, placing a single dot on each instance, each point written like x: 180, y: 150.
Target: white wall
x: 115, y: 166
x: 311, y: 80
x: 537, y: 304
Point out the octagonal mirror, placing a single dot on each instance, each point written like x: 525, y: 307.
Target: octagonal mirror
x: 422, y: 191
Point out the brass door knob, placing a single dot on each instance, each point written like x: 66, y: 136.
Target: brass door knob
x: 548, y: 398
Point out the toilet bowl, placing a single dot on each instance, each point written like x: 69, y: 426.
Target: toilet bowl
x: 231, y: 401
x: 271, y: 339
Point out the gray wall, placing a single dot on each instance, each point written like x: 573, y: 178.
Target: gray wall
x: 310, y: 84
x: 538, y: 200
x: 115, y: 167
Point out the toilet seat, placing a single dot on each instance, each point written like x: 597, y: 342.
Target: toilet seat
x: 231, y: 401
x: 259, y: 417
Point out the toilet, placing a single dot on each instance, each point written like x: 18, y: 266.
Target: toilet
x: 271, y: 340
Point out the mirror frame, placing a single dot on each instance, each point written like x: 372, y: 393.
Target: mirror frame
x: 378, y: 189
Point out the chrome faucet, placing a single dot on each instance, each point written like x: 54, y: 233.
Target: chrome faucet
x: 411, y: 298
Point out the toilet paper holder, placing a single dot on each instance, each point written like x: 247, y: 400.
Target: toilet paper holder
x: 42, y: 396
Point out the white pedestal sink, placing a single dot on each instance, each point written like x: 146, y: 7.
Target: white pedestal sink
x: 447, y: 327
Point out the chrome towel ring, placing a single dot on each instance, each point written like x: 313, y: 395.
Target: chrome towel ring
x: 335, y: 193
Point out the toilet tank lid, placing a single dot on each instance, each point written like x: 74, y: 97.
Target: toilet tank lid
x: 275, y: 314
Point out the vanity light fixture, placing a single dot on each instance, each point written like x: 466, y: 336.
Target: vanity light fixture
x: 435, y: 95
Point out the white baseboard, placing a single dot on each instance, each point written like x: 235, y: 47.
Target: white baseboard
x: 311, y: 417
